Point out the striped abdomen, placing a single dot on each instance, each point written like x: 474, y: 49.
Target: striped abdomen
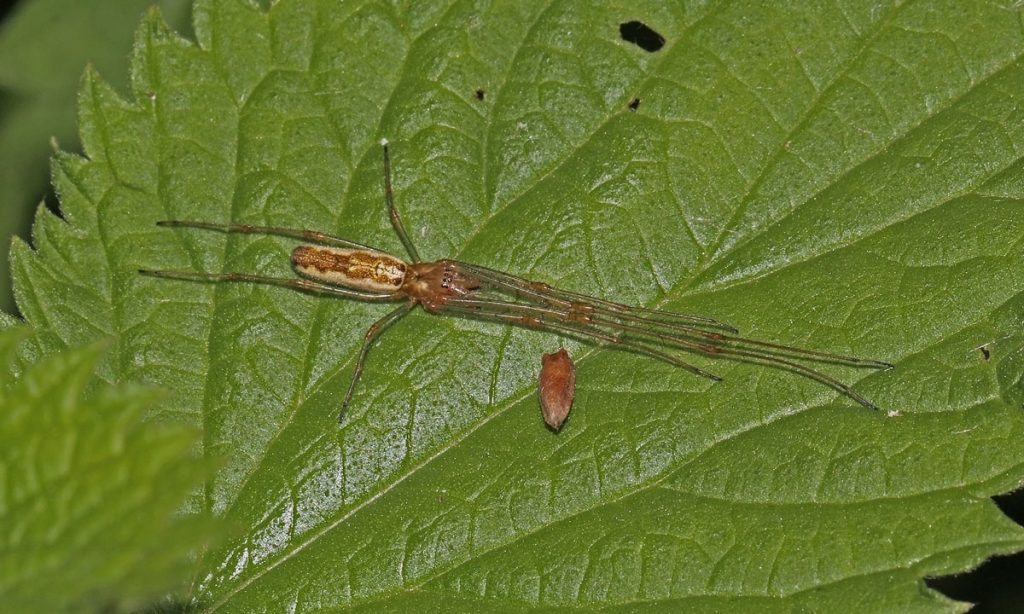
x: 351, y: 268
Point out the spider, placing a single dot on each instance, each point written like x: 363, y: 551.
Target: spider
x: 334, y: 266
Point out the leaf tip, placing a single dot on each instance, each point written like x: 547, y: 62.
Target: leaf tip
x: 19, y: 248
x: 154, y: 24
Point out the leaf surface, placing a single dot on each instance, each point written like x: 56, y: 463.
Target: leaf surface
x: 846, y: 178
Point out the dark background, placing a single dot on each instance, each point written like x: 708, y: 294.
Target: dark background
x: 997, y: 585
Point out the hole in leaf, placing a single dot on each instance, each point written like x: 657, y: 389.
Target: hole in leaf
x: 985, y: 352
x: 641, y: 35
x: 633, y: 104
x: 479, y: 93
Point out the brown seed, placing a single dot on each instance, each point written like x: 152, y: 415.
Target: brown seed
x: 557, y: 387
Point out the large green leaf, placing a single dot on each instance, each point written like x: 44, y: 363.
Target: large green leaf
x: 847, y: 178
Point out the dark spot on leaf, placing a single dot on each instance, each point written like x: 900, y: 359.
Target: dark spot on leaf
x: 479, y: 93
x: 985, y: 353
x: 633, y: 104
x: 641, y: 35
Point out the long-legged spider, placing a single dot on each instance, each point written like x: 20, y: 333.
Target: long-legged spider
x: 335, y: 266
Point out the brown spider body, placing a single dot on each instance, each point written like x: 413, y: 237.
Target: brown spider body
x: 359, y: 269
x: 430, y: 284
x: 433, y: 284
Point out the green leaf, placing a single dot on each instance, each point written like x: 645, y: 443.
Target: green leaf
x: 87, y: 512
x: 44, y: 45
x: 846, y: 178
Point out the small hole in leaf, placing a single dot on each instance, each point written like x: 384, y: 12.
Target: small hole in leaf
x: 479, y: 93
x: 985, y: 352
x: 641, y: 35
x: 634, y: 104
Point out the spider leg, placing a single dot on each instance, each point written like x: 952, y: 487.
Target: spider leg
x: 311, y: 236
x: 371, y: 333
x: 711, y: 350
x: 531, y: 317
x: 590, y: 331
x: 652, y: 319
x: 771, y: 350
x: 810, y: 354
x: 527, y: 315
x: 285, y: 282
x: 714, y: 350
x: 554, y: 295
x: 389, y: 198
x: 807, y: 372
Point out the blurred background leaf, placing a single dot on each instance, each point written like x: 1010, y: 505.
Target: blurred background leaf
x: 90, y: 508
x: 44, y: 48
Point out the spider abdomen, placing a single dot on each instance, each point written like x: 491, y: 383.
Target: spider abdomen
x: 351, y: 268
